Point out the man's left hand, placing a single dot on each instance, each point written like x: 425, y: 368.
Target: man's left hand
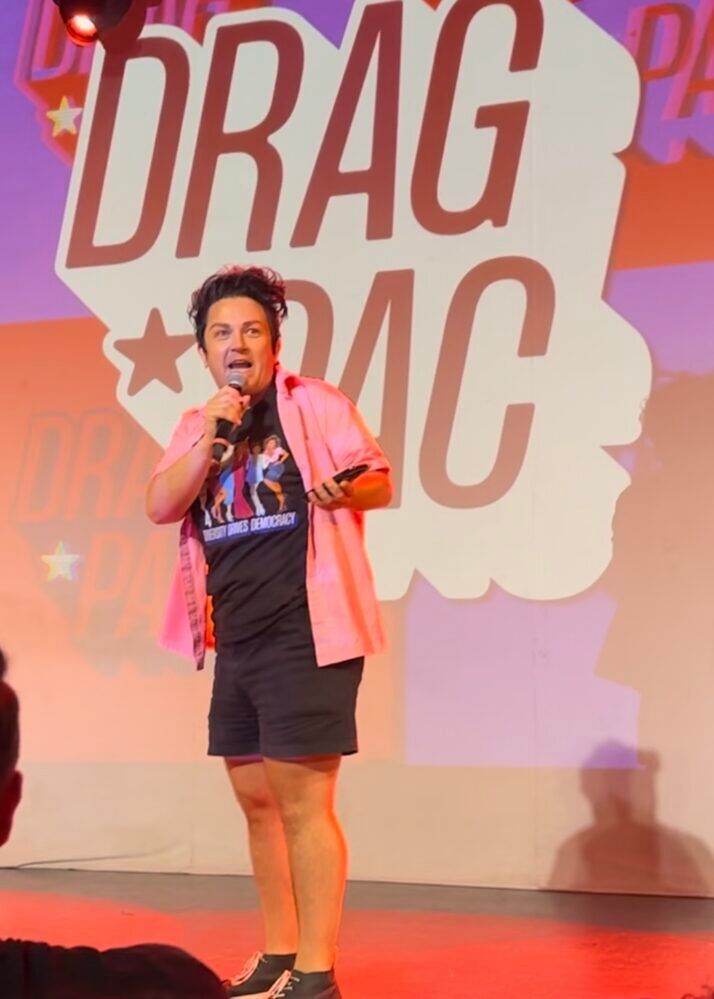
x: 331, y: 495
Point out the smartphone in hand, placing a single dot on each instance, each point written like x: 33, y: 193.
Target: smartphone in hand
x: 347, y: 474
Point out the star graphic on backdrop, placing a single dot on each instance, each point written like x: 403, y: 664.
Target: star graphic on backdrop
x: 155, y: 355
x: 60, y: 564
x: 63, y: 118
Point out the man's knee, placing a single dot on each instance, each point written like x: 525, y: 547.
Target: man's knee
x: 303, y: 790
x: 252, y: 791
x: 302, y: 812
x: 258, y: 808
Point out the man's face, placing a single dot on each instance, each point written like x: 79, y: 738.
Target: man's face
x: 238, y: 337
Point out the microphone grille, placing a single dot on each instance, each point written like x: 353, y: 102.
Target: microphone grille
x: 236, y: 379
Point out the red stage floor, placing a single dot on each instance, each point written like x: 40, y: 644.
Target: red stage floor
x: 398, y: 941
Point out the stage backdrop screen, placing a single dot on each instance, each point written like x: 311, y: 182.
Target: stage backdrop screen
x: 496, y: 224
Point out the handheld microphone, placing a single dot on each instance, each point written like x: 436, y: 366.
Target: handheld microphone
x: 225, y: 430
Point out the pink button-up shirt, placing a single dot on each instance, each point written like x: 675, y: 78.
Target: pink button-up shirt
x: 326, y: 434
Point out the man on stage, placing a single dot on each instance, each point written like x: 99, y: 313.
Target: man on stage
x: 282, y: 559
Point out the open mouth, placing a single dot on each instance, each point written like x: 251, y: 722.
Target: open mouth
x: 239, y: 365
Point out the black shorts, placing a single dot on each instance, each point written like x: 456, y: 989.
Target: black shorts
x: 270, y: 698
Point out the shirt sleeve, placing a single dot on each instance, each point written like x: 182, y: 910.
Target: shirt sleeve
x: 186, y: 434
x: 350, y: 440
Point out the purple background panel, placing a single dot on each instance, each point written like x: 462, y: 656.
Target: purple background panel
x: 673, y: 308
x: 663, y: 132
x: 509, y: 682
x: 330, y: 17
x: 34, y: 188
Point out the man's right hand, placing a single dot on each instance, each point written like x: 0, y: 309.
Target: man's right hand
x: 226, y: 404
x: 172, y: 491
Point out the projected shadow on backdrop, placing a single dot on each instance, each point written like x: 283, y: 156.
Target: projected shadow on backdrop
x: 661, y: 643
x: 626, y: 849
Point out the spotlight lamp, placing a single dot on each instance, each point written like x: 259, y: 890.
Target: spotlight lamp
x: 114, y: 23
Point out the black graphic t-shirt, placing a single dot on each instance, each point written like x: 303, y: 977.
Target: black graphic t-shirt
x: 252, y: 517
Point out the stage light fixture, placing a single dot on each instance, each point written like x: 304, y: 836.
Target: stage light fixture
x: 81, y: 29
x: 114, y: 23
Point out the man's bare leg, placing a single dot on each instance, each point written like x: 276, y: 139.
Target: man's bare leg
x: 305, y: 794
x: 269, y: 854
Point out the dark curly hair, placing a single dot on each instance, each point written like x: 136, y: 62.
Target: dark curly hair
x: 9, y: 725
x: 259, y: 283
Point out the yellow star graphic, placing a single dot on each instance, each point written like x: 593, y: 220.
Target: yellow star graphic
x: 63, y: 118
x: 60, y: 563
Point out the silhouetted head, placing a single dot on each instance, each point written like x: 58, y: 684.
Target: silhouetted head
x: 10, y: 777
x: 678, y: 417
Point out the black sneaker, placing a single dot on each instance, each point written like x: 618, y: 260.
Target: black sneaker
x: 307, y: 985
x: 260, y: 976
